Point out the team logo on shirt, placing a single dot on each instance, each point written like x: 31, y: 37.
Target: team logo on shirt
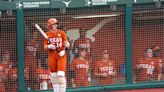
x: 84, y: 66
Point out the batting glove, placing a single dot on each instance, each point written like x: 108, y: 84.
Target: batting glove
x: 52, y: 47
x: 62, y: 53
x: 67, y: 45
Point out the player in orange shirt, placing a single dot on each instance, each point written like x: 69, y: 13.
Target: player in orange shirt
x: 43, y: 76
x: 6, y: 66
x: 80, y: 70
x: 57, y: 58
x: 105, y: 69
x: 31, y: 47
x: 2, y: 78
x: 149, y: 68
x: 156, y: 50
x: 2, y: 86
x: 83, y: 42
x: 13, y: 79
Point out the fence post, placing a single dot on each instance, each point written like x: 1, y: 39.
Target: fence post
x: 20, y: 50
x: 128, y: 42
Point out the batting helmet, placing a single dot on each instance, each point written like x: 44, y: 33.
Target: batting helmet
x: 51, y: 21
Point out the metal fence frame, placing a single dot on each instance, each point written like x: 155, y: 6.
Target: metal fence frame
x: 16, y: 5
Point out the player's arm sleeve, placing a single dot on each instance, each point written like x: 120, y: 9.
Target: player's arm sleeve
x: 89, y: 71
x: 96, y: 70
x: 37, y: 73
x: 72, y: 70
x: 72, y: 65
x: 45, y: 41
x: 91, y: 67
x: 114, y: 69
x: 138, y: 64
x: 64, y: 36
x: 65, y: 40
x: 160, y: 66
x: 159, y: 69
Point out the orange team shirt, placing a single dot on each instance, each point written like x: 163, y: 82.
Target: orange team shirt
x: 44, y: 77
x: 6, y: 71
x: 57, y: 38
x: 31, y: 48
x: 30, y: 54
x: 148, y: 69
x: 6, y: 68
x: 81, y: 69
x: 105, y: 67
x: 13, y: 73
x: 2, y: 86
x: 30, y: 58
x: 13, y: 76
x: 2, y: 78
x: 158, y: 69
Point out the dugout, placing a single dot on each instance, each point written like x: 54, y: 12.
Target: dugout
x: 124, y: 27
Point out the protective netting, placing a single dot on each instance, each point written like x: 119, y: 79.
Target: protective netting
x: 101, y: 34
x: 148, y: 22
x: 8, y: 62
x: 100, y: 31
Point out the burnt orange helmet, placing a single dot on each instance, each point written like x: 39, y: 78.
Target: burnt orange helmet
x: 51, y: 21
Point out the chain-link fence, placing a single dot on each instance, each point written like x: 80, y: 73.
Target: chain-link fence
x: 148, y: 27
x: 99, y: 31
x: 8, y: 56
x: 95, y: 34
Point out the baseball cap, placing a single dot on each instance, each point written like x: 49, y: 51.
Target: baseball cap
x: 81, y: 49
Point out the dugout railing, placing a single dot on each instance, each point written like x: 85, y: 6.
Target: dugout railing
x: 135, y: 26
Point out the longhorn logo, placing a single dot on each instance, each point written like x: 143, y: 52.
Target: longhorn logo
x: 67, y: 3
